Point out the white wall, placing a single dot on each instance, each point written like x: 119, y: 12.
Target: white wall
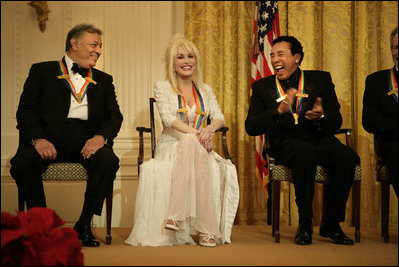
x: 135, y: 35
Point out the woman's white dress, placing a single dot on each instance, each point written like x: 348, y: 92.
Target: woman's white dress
x: 209, y: 179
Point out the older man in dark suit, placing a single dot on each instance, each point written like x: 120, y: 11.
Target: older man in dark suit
x: 380, y: 110
x: 68, y: 112
x: 300, y: 113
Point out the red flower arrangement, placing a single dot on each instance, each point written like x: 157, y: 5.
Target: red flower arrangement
x: 34, y: 238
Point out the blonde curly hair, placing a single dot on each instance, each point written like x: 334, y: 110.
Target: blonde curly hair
x: 178, y: 41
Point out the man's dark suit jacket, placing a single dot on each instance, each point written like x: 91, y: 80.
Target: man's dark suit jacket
x: 45, y: 102
x: 263, y: 116
x: 380, y: 111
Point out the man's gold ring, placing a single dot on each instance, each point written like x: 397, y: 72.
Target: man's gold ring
x: 285, y: 102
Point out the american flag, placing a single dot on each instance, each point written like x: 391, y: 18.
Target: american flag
x: 266, y: 28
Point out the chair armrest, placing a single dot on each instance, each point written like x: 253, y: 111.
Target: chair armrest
x: 222, y: 129
x: 345, y: 131
x: 271, y: 161
x: 226, y: 153
x: 140, y: 158
x: 348, y: 135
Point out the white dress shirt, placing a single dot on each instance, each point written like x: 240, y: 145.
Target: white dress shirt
x: 76, y: 110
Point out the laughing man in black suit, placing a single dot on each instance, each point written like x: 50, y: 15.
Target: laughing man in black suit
x: 300, y: 113
x: 68, y: 112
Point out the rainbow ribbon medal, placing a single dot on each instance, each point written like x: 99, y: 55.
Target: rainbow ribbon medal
x: 199, y: 106
x: 182, y: 104
x: 300, y: 95
x: 393, y: 86
x: 89, y: 79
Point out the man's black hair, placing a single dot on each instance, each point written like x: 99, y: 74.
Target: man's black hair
x: 295, y: 45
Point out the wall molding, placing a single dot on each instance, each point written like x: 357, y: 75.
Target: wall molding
x: 67, y: 17
x: 17, y: 59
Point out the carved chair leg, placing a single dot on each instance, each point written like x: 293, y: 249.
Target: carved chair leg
x: 269, y: 205
x: 109, y: 213
x: 21, y: 200
x: 385, y: 211
x: 356, y: 209
x: 276, y: 211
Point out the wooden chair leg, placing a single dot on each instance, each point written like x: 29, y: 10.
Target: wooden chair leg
x: 272, y: 185
x: 273, y: 208
x: 353, y: 205
x: 324, y: 204
x: 109, y: 213
x: 21, y: 200
x: 269, y: 205
x: 356, y: 209
x: 385, y: 211
x: 276, y: 211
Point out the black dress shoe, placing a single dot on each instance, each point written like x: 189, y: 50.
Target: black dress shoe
x: 304, y: 234
x: 336, y: 234
x: 86, y: 236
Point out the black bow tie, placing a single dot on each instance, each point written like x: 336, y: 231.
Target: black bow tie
x: 292, y: 81
x: 77, y: 69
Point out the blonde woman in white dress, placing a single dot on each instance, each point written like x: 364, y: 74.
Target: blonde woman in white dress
x: 187, y: 189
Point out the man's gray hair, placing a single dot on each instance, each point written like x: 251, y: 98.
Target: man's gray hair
x: 395, y: 31
x: 77, y: 32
